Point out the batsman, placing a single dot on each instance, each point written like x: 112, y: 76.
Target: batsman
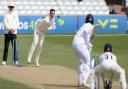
x: 82, y: 46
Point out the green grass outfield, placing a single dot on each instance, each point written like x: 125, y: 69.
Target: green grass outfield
x: 7, y: 84
x: 57, y: 50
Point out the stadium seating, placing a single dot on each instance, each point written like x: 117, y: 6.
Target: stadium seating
x: 63, y: 7
x: 126, y: 3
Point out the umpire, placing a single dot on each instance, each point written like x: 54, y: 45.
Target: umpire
x: 11, y: 24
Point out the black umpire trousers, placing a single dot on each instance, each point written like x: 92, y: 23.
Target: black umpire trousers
x: 7, y: 39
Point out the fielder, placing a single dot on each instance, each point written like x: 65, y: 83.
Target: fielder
x: 41, y: 27
x: 82, y: 46
x: 108, y: 63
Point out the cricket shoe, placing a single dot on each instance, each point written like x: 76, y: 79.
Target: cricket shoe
x: 37, y: 64
x: 16, y: 62
x: 29, y: 62
x: 3, y: 63
x: 79, y: 85
x: 85, y: 85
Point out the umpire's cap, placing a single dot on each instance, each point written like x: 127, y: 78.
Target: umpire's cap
x: 11, y: 4
x: 89, y: 19
x: 107, y: 47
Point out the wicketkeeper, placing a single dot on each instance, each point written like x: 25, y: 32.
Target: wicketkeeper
x: 108, y: 63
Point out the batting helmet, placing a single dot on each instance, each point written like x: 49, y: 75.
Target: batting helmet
x: 89, y: 19
x: 107, y: 47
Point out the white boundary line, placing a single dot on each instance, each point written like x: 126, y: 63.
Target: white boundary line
x: 96, y: 35
x: 74, y: 34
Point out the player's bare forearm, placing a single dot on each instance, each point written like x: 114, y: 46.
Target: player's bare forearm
x: 94, y: 30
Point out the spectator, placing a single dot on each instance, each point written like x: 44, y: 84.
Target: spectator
x: 79, y: 1
x: 112, y: 10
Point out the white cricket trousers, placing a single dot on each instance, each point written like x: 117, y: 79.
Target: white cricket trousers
x: 83, y: 55
x: 109, y: 66
x: 36, y: 46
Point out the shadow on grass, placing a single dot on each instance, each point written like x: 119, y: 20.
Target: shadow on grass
x: 60, y: 86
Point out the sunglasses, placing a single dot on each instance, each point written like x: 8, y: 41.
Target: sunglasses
x: 52, y: 13
x: 11, y: 7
